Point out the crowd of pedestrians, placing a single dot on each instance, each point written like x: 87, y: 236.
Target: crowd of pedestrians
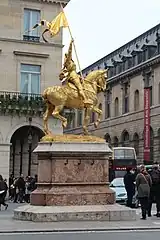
x: 21, y: 188
x: 147, y: 185
x: 18, y: 190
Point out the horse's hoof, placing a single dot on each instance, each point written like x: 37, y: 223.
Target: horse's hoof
x: 64, y: 124
x: 96, y: 124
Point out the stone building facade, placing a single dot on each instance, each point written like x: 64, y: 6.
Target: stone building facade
x: 27, y: 67
x: 132, y: 68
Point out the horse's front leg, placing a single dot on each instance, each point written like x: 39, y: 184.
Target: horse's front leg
x: 56, y: 114
x: 46, y: 115
x: 87, y: 113
x: 99, y: 112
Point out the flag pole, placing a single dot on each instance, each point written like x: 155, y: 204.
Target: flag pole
x: 73, y: 44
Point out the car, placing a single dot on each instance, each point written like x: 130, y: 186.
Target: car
x: 118, y: 186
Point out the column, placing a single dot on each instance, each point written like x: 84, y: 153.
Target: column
x: 5, y: 159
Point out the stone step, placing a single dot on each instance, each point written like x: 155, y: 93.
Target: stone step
x: 113, y: 212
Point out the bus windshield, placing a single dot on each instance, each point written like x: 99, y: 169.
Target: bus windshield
x: 124, y: 154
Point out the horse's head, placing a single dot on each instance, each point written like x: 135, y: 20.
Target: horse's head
x: 98, y: 77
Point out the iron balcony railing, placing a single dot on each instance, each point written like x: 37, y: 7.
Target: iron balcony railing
x: 26, y: 104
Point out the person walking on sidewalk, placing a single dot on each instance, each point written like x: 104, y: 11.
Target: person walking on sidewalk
x: 129, y: 180
x: 155, y: 190
x: 3, y: 189
x: 143, y: 184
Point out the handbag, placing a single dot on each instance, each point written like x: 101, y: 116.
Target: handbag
x: 144, y: 188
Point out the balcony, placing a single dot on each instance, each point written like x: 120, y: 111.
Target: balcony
x: 31, y: 38
x: 16, y: 103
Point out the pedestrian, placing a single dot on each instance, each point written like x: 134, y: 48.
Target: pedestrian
x: 143, y: 184
x: 11, y: 180
x: 20, y: 185
x: 28, y: 189
x: 3, y: 191
x: 155, y: 190
x: 129, y: 180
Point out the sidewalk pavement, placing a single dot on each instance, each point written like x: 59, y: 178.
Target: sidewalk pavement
x: 9, y: 225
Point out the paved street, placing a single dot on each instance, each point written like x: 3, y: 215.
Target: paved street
x: 137, y: 235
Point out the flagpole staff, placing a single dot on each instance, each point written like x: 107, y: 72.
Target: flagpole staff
x: 73, y: 44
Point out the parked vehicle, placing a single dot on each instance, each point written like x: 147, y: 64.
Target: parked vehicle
x: 118, y: 186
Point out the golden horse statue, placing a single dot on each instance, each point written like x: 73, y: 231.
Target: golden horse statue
x: 67, y: 96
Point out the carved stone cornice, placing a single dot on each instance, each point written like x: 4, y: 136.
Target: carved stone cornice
x: 64, y: 2
x: 31, y: 54
x: 135, y: 70
x: 32, y: 43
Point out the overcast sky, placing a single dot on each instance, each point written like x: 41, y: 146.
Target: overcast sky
x: 101, y: 26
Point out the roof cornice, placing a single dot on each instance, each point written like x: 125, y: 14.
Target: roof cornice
x: 64, y: 2
x: 135, y: 70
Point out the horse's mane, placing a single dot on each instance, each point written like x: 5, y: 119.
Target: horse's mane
x: 94, y: 74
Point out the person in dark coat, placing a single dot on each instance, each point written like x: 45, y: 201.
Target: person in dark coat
x: 143, y: 184
x: 129, y: 180
x: 20, y: 185
x: 3, y: 194
x: 155, y: 190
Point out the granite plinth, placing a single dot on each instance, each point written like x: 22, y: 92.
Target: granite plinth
x: 72, y: 173
x: 75, y: 213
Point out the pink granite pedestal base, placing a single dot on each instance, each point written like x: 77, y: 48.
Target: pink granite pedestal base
x: 72, y: 174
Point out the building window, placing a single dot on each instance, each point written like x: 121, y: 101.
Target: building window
x: 134, y: 58
x: 79, y: 118
x: 31, y: 17
x: 115, y: 142
x: 136, y: 100
x: 108, y: 139
x: 125, y: 139
x: 107, y: 104
x: 116, y: 107
x: 30, y: 79
x: 136, y: 143
x: 92, y: 118
x: 151, y: 96
x: 159, y: 93
x: 126, y: 98
x: 159, y: 140
x: 140, y: 57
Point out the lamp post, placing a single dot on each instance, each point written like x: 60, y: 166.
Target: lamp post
x: 30, y: 138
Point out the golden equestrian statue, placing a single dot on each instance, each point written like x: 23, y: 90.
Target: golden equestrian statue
x: 76, y: 93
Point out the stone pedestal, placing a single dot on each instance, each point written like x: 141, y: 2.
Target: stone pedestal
x: 73, y: 183
x: 72, y: 174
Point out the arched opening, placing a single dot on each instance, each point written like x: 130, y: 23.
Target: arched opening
x: 116, y: 107
x: 115, y: 142
x: 136, y: 143
x: 136, y: 100
x: 159, y: 140
x: 125, y: 139
x: 100, y: 106
x: 22, y: 159
x: 108, y: 139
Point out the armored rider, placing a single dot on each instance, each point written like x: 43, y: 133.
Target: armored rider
x: 69, y: 72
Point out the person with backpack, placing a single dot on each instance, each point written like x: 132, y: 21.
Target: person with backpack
x: 143, y: 184
x: 155, y: 190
